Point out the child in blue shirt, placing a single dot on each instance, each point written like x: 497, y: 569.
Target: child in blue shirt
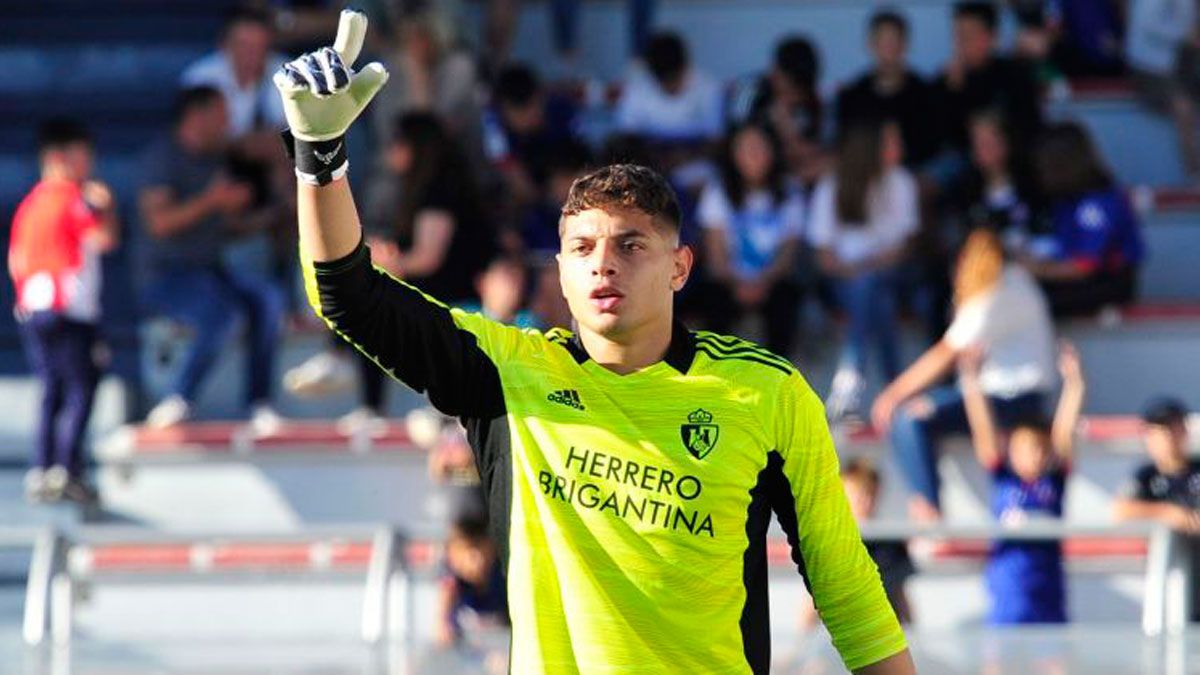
x: 1026, y: 578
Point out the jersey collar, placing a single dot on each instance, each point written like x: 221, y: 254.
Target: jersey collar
x: 680, y: 353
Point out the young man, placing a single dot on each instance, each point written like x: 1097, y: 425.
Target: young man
x: 631, y: 467
x: 191, y: 208
x: 58, y: 233
x: 1167, y: 488
x: 978, y: 78
x: 891, y: 90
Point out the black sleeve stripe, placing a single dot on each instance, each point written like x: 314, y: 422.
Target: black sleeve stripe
x: 745, y: 356
x: 728, y: 343
x: 744, y: 351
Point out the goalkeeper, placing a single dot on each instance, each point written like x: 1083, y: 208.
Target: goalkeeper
x: 631, y: 467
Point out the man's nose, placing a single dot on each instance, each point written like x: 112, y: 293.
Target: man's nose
x: 604, y: 260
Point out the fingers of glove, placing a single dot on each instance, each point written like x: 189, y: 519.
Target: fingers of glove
x: 336, y: 74
x: 289, y: 80
x: 352, y: 28
x: 366, y: 82
x: 314, y: 72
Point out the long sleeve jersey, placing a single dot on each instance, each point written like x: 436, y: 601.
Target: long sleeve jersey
x: 631, y: 511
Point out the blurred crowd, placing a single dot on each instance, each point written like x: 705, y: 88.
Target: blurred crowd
x: 949, y: 200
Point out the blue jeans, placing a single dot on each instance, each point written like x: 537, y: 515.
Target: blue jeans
x: 914, y: 440
x: 60, y: 351
x: 564, y: 15
x: 210, y: 300
x: 870, y: 303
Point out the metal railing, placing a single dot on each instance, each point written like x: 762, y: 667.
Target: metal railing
x: 61, y: 562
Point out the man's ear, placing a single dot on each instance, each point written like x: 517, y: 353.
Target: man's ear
x: 684, y: 259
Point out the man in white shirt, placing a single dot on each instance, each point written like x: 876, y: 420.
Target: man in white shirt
x: 241, y: 70
x: 667, y: 99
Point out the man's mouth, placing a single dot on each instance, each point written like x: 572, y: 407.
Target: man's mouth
x: 606, y: 299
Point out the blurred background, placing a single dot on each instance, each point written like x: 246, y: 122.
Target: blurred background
x: 195, y: 476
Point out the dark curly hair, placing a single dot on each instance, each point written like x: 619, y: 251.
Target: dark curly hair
x: 625, y: 186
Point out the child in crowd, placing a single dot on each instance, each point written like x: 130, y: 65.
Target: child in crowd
x: 472, y: 590
x: 58, y: 233
x: 1026, y: 579
x: 1167, y: 488
x: 863, y: 216
x: 752, y: 220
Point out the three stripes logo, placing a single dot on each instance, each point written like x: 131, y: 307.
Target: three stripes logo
x: 567, y: 397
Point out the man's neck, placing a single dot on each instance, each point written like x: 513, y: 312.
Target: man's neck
x: 889, y: 79
x: 1172, y: 466
x: 630, y: 355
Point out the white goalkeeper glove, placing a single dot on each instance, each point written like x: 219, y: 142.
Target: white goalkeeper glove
x: 322, y: 97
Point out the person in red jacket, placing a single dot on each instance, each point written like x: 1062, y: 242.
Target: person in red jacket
x: 59, y: 232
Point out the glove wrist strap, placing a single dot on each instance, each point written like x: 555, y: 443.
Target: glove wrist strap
x: 317, y: 162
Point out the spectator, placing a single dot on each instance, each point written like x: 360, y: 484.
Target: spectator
x: 58, y: 233
x: 1160, y: 33
x: 977, y: 78
x: 1026, y: 579
x: 427, y: 74
x: 1167, y: 489
x: 786, y: 99
x: 472, y: 590
x: 501, y: 288
x: 667, y: 99
x: 241, y: 69
x: 524, y: 131
x: 434, y: 236
x: 1091, y: 259
x: 891, y: 90
x: 190, y: 208
x: 999, y: 192
x: 999, y: 309
x: 753, y: 220
x: 862, y: 218
x: 862, y: 483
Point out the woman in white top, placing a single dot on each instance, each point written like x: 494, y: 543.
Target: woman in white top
x: 999, y: 309
x: 752, y: 221
x: 862, y: 218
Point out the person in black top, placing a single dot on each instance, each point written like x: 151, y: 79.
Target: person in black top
x: 978, y: 78
x: 891, y: 90
x: 1167, y: 489
x: 434, y: 234
x: 785, y: 99
x: 999, y: 191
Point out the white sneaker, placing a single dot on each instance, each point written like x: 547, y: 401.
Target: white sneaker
x: 35, y: 485
x: 845, y: 395
x: 264, y: 421
x: 362, y: 421
x: 169, y: 412
x: 54, y: 481
x: 322, y: 374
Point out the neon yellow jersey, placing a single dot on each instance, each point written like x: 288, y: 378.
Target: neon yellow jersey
x: 631, y: 511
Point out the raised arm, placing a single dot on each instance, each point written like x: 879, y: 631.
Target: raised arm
x: 419, y: 341
x: 984, y: 435
x: 1070, y: 402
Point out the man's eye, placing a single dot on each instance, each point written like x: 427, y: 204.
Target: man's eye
x: 580, y: 248
x: 633, y: 246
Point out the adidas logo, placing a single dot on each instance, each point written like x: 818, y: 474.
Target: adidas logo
x: 567, y: 397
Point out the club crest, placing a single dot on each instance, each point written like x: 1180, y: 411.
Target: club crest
x: 699, y: 435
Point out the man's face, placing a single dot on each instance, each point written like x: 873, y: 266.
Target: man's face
x: 619, y: 270
x: 247, y: 45
x: 889, y: 46
x: 214, y: 119
x: 1166, y: 443
x: 74, y: 159
x: 973, y: 42
x: 524, y: 119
